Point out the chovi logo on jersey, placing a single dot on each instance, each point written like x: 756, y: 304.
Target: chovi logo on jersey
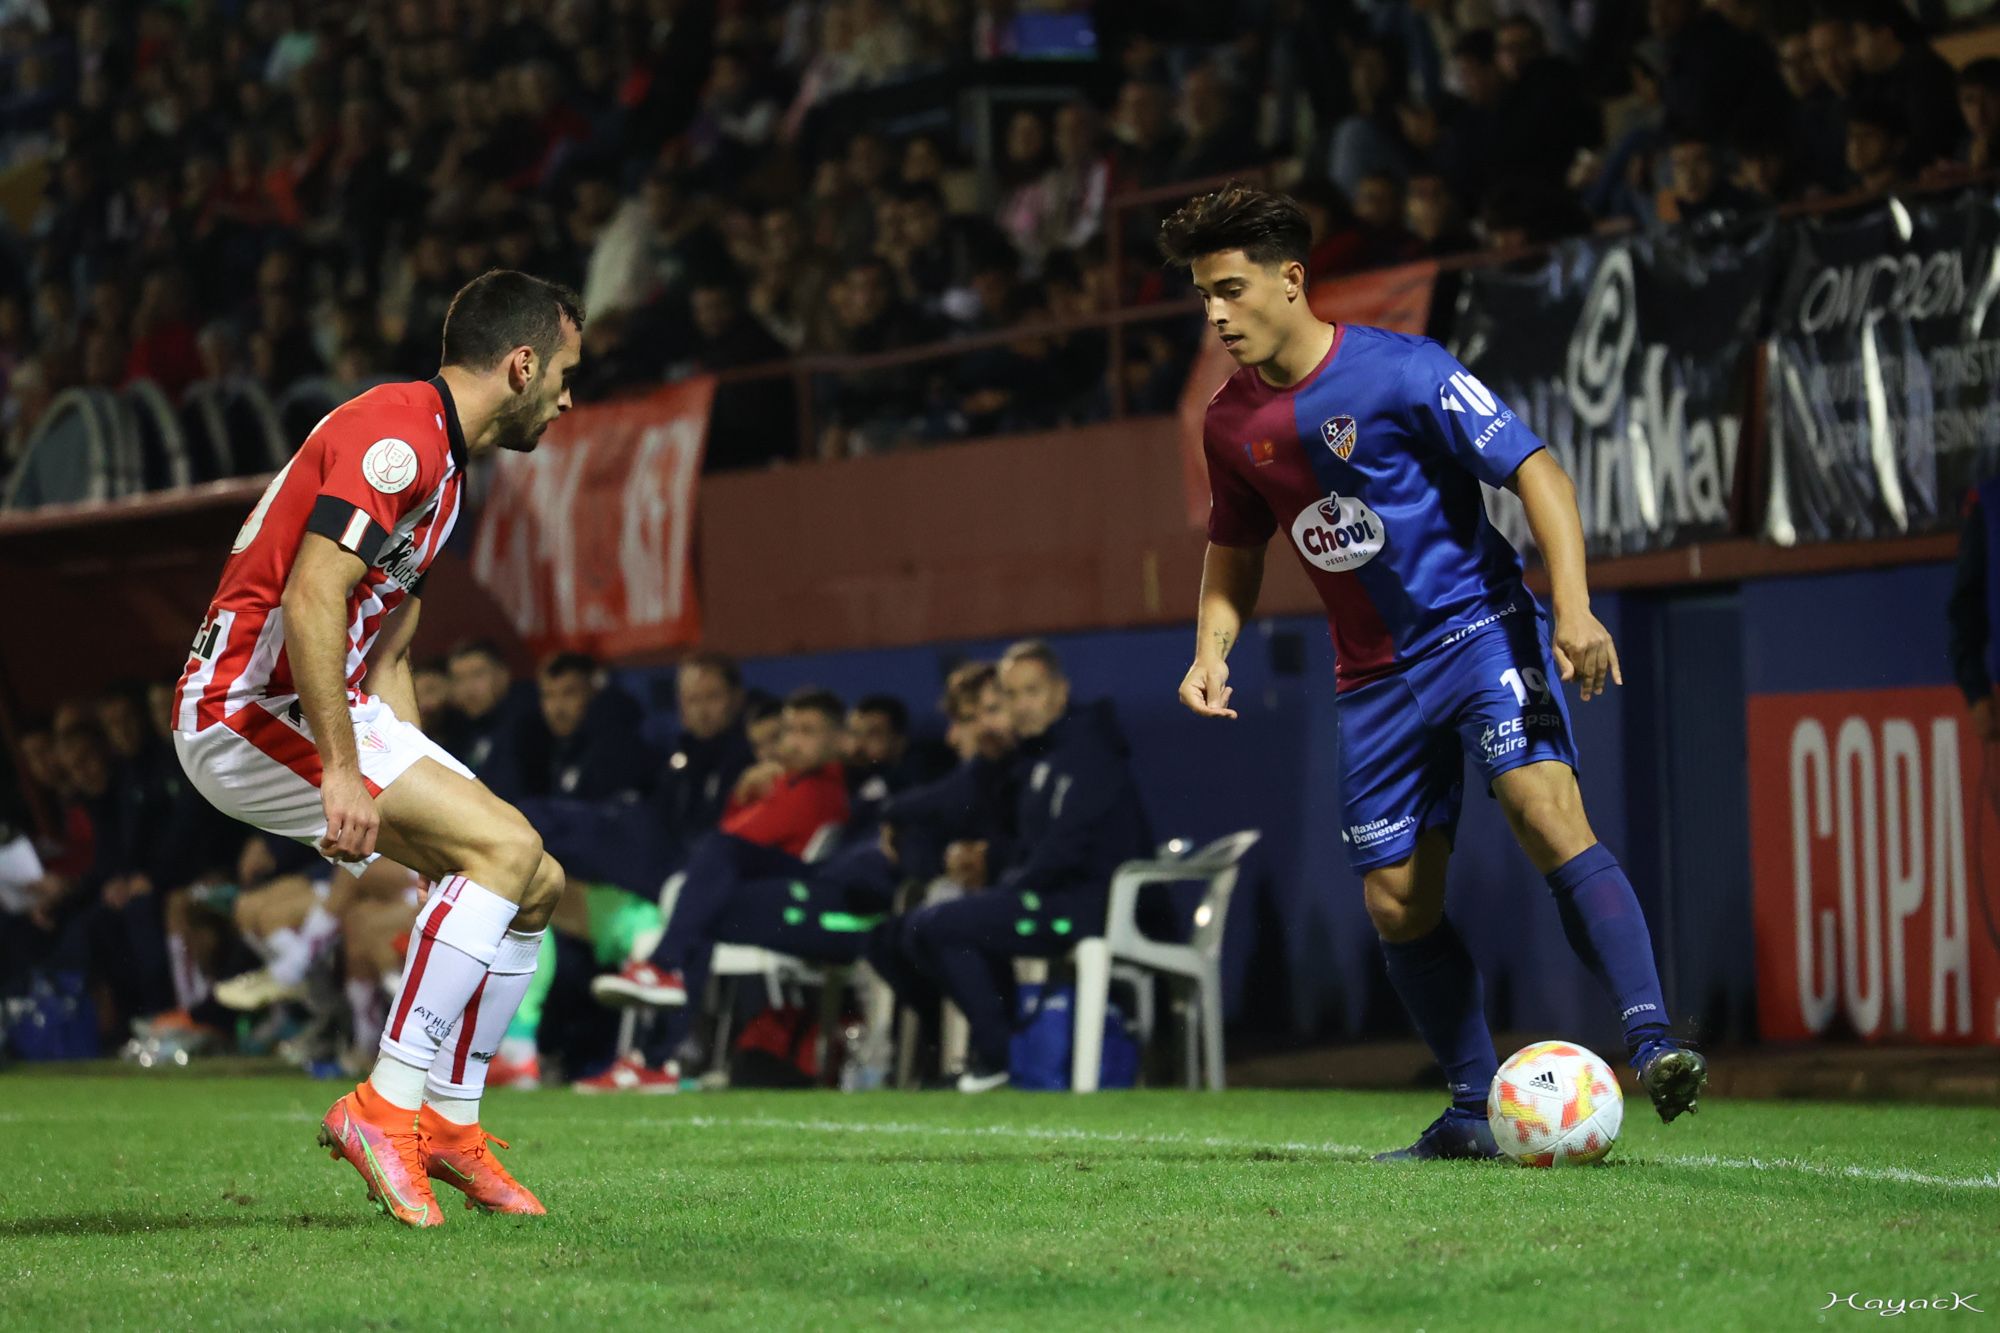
x: 1338, y: 533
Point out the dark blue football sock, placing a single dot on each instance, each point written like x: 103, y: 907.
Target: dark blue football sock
x: 1439, y: 985
x: 1601, y: 916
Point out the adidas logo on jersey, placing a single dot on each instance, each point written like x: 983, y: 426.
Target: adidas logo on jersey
x: 1463, y: 390
x: 1545, y: 1082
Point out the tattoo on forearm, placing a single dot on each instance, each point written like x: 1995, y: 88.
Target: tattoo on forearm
x: 1223, y: 640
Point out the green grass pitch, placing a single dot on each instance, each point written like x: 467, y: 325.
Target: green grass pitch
x: 188, y: 1201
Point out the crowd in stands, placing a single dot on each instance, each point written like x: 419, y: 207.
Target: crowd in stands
x: 279, y: 190
x: 821, y: 831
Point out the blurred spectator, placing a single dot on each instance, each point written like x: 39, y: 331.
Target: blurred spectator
x: 736, y: 120
x: 1715, y: 71
x: 1979, y: 104
x: 1472, y: 145
x: 651, y: 248
x: 788, y: 283
x: 1876, y: 147
x: 711, y: 752
x: 1220, y: 138
x: 1545, y: 118
x: 1149, y: 143
x: 882, y: 758
x: 1815, y: 116
x: 753, y: 421
x: 1897, y: 68
x: 431, y: 680
x: 1369, y: 233
x: 1369, y: 140
x: 1433, y: 217
x: 1064, y: 210
x: 1700, y: 192
x: 497, y: 719
x: 594, y: 748
x: 163, y: 340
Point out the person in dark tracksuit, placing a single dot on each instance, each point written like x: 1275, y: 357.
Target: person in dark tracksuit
x: 1078, y: 816
x: 1971, y: 612
x: 966, y: 817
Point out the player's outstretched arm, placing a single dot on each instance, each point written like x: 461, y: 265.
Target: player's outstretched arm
x: 315, y: 605
x: 1230, y: 579
x: 1584, y: 650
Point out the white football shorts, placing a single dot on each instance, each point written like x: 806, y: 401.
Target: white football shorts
x: 260, y: 765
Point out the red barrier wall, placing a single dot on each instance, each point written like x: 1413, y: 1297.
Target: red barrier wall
x: 102, y: 593
x: 1070, y: 530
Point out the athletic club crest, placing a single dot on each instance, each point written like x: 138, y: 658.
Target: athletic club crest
x: 1338, y: 432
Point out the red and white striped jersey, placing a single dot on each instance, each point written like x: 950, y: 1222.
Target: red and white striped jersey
x: 381, y: 475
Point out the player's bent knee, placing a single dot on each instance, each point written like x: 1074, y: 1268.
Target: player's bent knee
x: 1395, y: 908
x: 545, y: 890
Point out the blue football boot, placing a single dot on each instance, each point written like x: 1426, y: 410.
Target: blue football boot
x: 1455, y: 1134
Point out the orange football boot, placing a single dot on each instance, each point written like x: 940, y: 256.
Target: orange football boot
x: 462, y: 1157
x: 384, y: 1143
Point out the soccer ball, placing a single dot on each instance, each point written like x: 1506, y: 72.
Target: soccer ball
x: 1555, y: 1104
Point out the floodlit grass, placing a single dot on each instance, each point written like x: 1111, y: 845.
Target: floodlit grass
x: 179, y: 1200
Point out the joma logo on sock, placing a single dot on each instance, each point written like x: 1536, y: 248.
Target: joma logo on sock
x: 1876, y: 1305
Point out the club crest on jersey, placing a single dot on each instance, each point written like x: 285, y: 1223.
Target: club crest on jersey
x: 1339, y: 533
x: 1463, y: 392
x: 389, y: 465
x: 1339, y: 434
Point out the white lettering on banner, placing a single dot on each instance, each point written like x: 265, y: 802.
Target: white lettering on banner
x: 1854, y: 803
x: 1867, y: 794
x: 657, y: 507
x: 1909, y: 388
x: 1896, y: 286
x: 587, y: 542
x: 1641, y: 466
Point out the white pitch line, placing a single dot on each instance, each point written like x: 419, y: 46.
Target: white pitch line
x: 1891, y: 1174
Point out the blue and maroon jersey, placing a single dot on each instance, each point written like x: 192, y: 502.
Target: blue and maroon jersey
x: 1372, y: 463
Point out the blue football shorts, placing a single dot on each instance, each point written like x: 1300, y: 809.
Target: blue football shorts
x: 1495, y: 696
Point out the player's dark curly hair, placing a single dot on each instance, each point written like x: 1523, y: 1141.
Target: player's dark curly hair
x: 500, y: 310
x: 1268, y: 227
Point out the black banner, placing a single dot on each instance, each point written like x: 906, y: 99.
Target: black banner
x: 1631, y: 359
x: 1883, y: 390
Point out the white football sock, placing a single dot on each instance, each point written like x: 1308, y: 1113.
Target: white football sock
x: 397, y: 1083
x: 459, y: 1075
x: 456, y: 938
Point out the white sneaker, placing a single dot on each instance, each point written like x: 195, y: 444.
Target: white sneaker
x: 256, y: 990
x: 974, y: 1081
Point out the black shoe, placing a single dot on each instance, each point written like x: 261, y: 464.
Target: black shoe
x: 1457, y: 1134
x: 1673, y: 1078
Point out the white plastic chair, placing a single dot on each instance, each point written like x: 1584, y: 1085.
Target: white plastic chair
x: 732, y: 960
x: 747, y: 960
x: 1122, y: 946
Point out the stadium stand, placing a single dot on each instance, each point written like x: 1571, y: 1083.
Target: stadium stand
x: 261, y: 207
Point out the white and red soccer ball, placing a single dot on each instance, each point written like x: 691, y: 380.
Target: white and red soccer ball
x: 1555, y: 1104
